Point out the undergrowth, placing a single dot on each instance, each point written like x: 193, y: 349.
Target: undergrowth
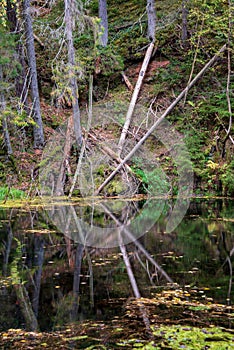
x: 11, y: 193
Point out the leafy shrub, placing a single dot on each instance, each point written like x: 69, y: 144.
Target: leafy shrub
x: 10, y: 193
x: 228, y: 180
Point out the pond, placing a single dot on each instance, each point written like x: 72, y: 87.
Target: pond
x: 80, y: 261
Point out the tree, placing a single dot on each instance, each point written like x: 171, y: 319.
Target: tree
x: 152, y: 19
x: 4, y: 120
x: 184, y: 34
x: 69, y: 10
x: 7, y: 72
x: 15, y: 29
x: 102, y: 11
x: 38, y: 133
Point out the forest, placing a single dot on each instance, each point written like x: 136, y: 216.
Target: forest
x: 62, y: 60
x: 116, y: 174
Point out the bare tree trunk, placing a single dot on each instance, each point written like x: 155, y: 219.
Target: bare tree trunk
x: 134, y: 98
x: 184, y: 34
x: 3, y: 117
x: 152, y: 19
x: 102, y: 12
x: 163, y: 116
x: 69, y: 6
x: 38, y: 133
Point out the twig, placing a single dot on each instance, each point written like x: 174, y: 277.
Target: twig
x: 39, y: 40
x: 127, y: 81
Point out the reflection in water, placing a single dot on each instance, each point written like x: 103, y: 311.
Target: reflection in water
x: 63, y: 280
x: 94, y: 223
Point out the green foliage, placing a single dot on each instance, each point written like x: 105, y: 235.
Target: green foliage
x: 109, y: 61
x: 153, y: 179
x: 129, y: 44
x: 11, y: 193
x: 211, y: 20
x: 195, y: 142
x: 7, y: 59
x: 227, y: 179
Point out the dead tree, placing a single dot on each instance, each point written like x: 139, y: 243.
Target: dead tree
x: 152, y: 19
x: 102, y: 12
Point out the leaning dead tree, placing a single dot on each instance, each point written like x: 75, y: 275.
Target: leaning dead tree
x: 151, y: 34
x: 134, y: 98
x: 163, y: 116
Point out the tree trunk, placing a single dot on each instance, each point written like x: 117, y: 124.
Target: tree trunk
x: 134, y: 98
x: 184, y: 35
x: 4, y: 120
x: 102, y: 12
x: 20, y: 88
x: 69, y: 5
x: 38, y: 133
x: 152, y: 19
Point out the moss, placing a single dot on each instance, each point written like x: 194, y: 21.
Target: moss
x: 176, y: 337
x: 116, y: 187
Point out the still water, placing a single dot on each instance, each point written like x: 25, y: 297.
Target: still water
x: 78, y: 262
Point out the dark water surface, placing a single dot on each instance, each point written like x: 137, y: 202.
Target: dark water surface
x: 67, y: 280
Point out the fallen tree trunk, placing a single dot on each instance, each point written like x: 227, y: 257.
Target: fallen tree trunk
x: 163, y: 116
x: 134, y: 97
